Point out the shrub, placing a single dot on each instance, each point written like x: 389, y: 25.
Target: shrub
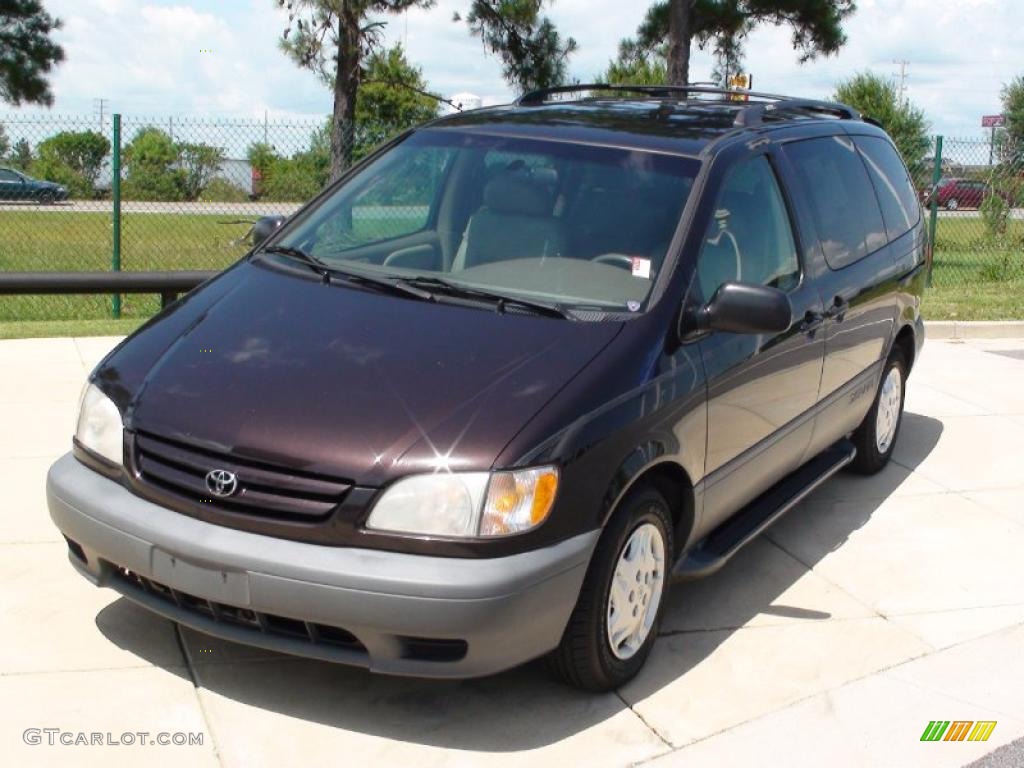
x: 995, y: 213
x: 295, y: 179
x: 223, y: 191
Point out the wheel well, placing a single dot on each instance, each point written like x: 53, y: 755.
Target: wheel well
x: 905, y: 343
x: 672, y: 482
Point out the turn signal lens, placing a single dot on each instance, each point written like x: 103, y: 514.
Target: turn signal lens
x: 518, y: 501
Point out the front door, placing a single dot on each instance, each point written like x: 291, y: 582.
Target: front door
x: 761, y: 388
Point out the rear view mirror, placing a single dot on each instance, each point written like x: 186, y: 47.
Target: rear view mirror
x: 265, y: 227
x: 745, y: 308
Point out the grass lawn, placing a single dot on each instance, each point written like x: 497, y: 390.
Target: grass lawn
x: 37, y: 241
x: 972, y: 279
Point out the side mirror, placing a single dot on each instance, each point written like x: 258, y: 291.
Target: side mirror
x: 265, y: 227
x: 745, y: 308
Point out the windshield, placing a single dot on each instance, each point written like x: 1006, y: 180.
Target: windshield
x: 582, y: 227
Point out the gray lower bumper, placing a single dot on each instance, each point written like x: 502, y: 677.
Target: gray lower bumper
x: 507, y: 610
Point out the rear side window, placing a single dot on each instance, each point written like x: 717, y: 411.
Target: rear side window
x: 900, y: 208
x: 842, y: 200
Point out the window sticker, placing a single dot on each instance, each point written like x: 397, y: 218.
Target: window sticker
x: 641, y: 267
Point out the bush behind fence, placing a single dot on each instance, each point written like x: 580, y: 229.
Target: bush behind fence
x: 191, y: 189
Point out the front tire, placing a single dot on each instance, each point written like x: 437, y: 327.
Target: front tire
x: 875, y: 438
x: 615, y: 621
x: 953, y: 204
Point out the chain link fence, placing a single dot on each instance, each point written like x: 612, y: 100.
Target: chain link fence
x: 190, y: 190
x: 976, y: 188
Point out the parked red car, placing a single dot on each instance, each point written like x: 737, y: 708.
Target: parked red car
x: 954, y: 194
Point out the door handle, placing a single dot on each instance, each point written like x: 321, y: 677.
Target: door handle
x: 837, y: 309
x: 812, y: 321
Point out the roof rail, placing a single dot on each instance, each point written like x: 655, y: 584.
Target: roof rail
x: 768, y: 104
x: 535, y: 98
x: 755, y: 114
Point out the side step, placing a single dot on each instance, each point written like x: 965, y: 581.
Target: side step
x: 726, y: 540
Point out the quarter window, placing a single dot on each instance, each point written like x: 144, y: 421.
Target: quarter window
x: 900, y: 207
x: 749, y: 238
x: 841, y: 198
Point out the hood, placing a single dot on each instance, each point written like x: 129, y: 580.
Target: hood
x: 273, y: 366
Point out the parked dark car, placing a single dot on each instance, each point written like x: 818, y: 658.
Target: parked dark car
x: 954, y: 194
x: 487, y: 396
x: 15, y: 185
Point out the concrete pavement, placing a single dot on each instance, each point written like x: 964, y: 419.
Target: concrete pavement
x: 876, y: 606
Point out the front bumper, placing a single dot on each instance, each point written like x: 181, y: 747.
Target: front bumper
x: 391, y: 612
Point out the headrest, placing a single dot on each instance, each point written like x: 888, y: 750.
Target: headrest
x: 509, y: 194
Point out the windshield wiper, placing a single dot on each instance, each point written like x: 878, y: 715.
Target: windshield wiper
x: 299, y: 255
x: 502, y: 300
x: 422, y: 287
x: 328, y: 270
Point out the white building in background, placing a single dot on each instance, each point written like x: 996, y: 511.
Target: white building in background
x: 465, y: 100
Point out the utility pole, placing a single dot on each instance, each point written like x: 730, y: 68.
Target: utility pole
x: 100, y: 105
x: 903, y: 64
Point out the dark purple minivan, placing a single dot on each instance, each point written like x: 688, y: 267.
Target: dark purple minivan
x: 487, y: 396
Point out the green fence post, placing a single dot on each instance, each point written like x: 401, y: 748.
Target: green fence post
x: 115, y: 193
x: 933, y: 203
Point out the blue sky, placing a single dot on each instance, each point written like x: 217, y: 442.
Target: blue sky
x: 146, y: 56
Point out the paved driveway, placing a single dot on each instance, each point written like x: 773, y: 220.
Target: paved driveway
x: 876, y: 606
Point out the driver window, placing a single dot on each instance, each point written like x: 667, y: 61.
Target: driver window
x: 749, y: 238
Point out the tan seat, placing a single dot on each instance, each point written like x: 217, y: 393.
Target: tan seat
x: 514, y: 222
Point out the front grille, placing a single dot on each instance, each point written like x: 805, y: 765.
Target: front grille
x: 264, y: 623
x: 262, y: 488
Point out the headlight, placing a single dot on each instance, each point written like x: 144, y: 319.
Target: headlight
x: 467, y: 503
x: 99, y: 425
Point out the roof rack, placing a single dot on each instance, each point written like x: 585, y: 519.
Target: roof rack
x: 755, y: 114
x: 769, y: 104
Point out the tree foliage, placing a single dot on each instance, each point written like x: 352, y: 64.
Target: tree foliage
x: 393, y: 98
x: 72, y: 158
x: 635, y: 65
x: 533, y: 54
x: 877, y: 97
x: 21, y: 155
x: 331, y: 38
x: 27, y: 52
x: 724, y: 25
x: 1013, y: 110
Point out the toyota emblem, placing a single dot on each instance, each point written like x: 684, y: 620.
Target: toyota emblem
x: 220, y: 482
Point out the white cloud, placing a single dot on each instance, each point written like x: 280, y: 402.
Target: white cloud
x: 145, y: 55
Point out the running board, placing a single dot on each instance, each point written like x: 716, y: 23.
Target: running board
x: 728, y: 538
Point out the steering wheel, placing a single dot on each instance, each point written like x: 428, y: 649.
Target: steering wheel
x: 615, y: 259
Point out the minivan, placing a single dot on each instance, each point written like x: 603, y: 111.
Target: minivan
x: 491, y: 393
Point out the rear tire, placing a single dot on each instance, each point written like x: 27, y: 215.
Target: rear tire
x: 876, y: 436
x: 586, y: 657
x: 953, y: 204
